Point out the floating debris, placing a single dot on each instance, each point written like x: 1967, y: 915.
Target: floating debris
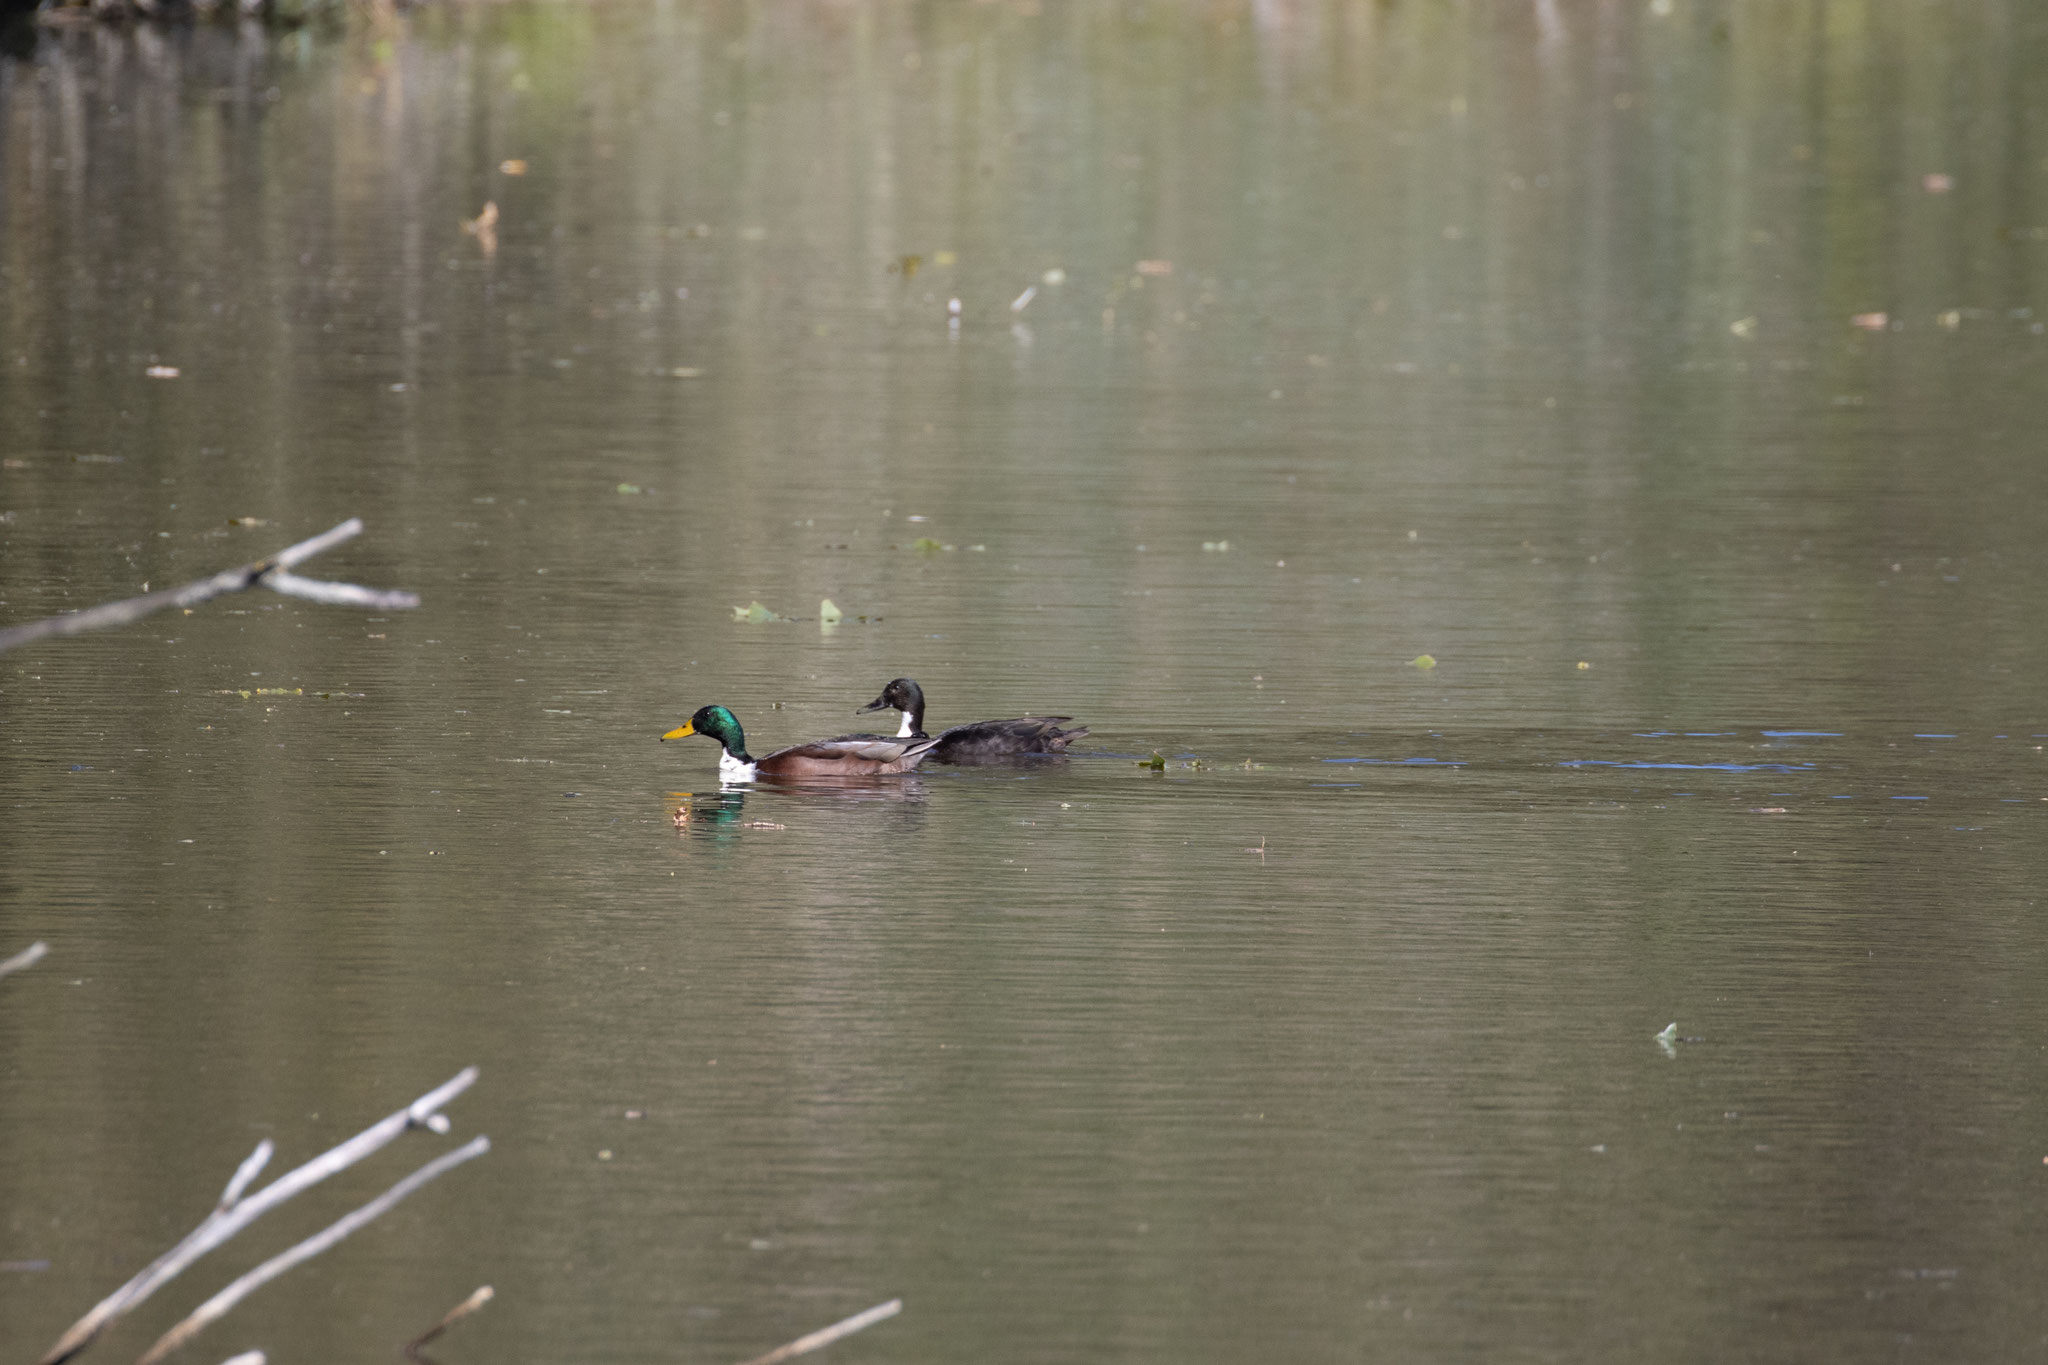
x: 162, y: 372
x: 1423, y: 661
x: 754, y: 614
x: 829, y: 613
x: 484, y: 227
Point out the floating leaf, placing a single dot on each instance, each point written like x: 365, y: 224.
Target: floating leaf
x: 629, y: 488
x: 754, y: 614
x: 1670, y: 1033
x: 1157, y: 763
x: 925, y: 545
x: 829, y: 613
x: 1217, y: 546
x: 1423, y: 661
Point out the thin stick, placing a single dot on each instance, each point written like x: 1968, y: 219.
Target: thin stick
x: 265, y: 571
x: 233, y: 1213
x: 827, y: 1335
x: 455, y: 1315
x: 221, y: 1303
x: 27, y: 957
x: 339, y: 594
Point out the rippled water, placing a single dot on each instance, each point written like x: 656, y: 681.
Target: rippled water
x: 1537, y: 342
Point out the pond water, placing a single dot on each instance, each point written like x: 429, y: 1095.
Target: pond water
x: 1294, y: 343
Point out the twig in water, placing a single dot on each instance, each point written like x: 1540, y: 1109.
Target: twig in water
x: 220, y: 1303
x: 825, y: 1336
x: 27, y: 957
x: 271, y: 573
x: 455, y: 1315
x: 234, y: 1213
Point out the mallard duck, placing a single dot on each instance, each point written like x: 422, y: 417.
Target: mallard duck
x: 846, y: 756
x: 976, y: 741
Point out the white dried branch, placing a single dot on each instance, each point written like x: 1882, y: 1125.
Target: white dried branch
x: 233, y: 1214
x: 132, y: 609
x: 220, y: 1304
x: 340, y: 594
x: 825, y: 1336
x: 251, y: 1167
x: 27, y: 957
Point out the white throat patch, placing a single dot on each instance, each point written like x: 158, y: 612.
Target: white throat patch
x: 731, y: 769
x: 908, y: 729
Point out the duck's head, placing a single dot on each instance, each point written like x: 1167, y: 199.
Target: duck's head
x: 900, y: 695
x: 716, y: 722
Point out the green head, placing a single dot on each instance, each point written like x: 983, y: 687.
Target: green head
x: 718, y: 723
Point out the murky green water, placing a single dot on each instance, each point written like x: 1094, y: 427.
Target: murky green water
x: 1524, y: 339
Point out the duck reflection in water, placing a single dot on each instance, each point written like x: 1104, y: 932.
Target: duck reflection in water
x: 722, y: 814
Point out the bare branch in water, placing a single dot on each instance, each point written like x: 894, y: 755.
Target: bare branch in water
x: 27, y: 957
x: 825, y: 1336
x: 456, y: 1314
x: 234, y: 1213
x: 271, y: 573
x: 219, y: 1305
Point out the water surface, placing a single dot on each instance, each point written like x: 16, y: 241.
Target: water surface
x: 1539, y: 342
